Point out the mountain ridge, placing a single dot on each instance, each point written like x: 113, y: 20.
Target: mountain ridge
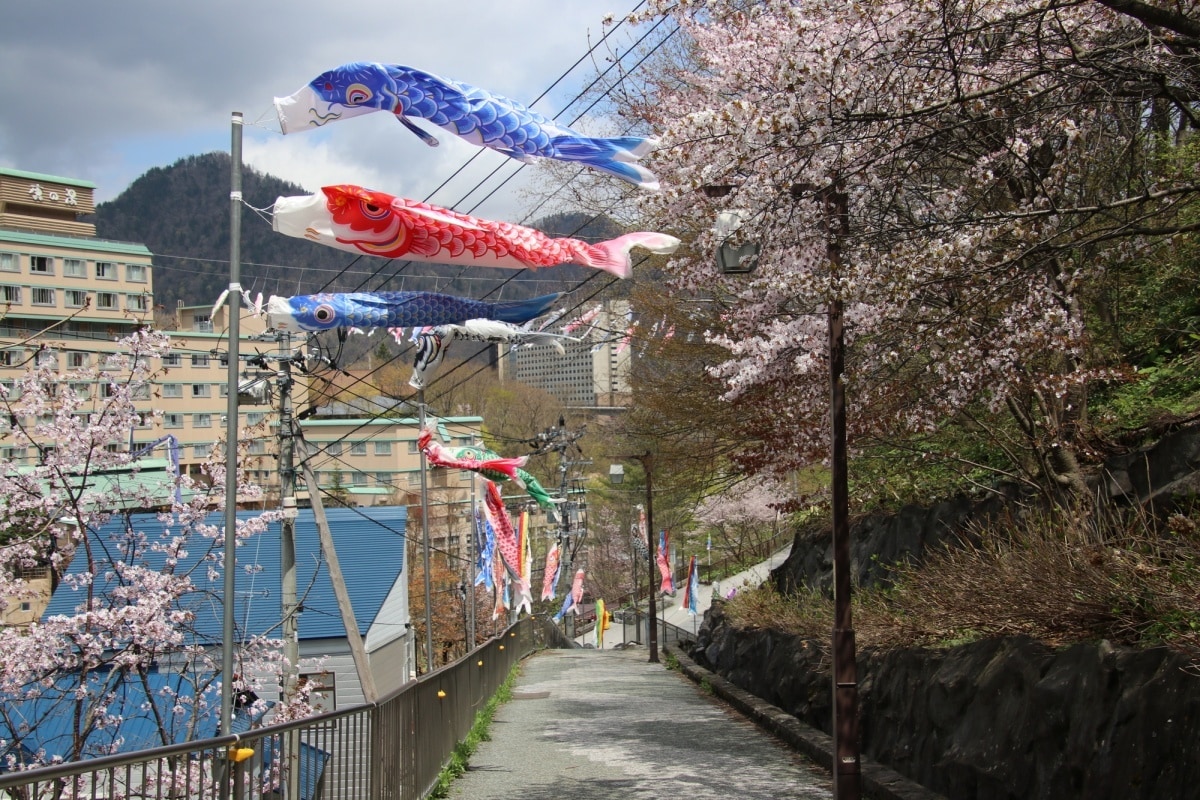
x: 181, y: 213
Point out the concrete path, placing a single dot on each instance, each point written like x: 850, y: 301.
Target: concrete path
x: 603, y: 724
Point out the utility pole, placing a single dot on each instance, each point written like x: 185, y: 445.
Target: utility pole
x: 287, y: 554
x: 559, y: 440
x: 469, y: 584
x: 287, y: 500
x: 425, y: 539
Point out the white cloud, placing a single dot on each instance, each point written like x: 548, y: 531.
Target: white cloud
x: 105, y: 91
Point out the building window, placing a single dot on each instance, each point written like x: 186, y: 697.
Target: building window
x: 172, y: 360
x: 76, y: 360
x: 172, y: 420
x: 172, y: 390
x: 135, y: 273
x: 82, y: 390
x: 137, y: 302
x: 257, y: 447
x: 333, y: 449
x: 74, y: 268
x: 383, y: 448
x: 358, y: 448
x: 255, y: 417
x: 48, y: 358
x: 202, y: 323
x: 358, y: 479
x: 412, y: 446
x: 75, y: 298
x: 383, y: 479
x: 10, y: 294
x: 11, y: 358
x: 106, y: 270
x: 41, y: 265
x: 199, y: 361
x: 322, y: 690
x: 201, y: 390
x: 414, y: 478
x: 9, y: 262
x: 201, y: 420
x: 106, y: 301
x: 202, y: 450
x: 42, y: 296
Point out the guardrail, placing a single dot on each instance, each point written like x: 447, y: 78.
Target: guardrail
x: 393, y: 749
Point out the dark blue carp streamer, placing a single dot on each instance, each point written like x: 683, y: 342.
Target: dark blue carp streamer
x: 476, y: 115
x: 321, y: 312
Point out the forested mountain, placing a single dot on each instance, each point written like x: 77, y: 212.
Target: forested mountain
x: 181, y: 213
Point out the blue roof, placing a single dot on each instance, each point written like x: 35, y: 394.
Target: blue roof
x: 44, y: 727
x: 142, y: 710
x: 370, y: 546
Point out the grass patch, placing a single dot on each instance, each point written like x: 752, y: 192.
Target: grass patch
x: 480, y: 732
x: 1059, y: 577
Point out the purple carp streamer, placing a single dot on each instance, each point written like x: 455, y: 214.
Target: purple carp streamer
x: 320, y: 312
x: 358, y: 220
x: 473, y: 114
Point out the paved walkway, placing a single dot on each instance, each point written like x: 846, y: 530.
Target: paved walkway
x: 603, y: 724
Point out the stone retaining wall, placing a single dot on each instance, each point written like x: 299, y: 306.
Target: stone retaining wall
x: 1001, y: 719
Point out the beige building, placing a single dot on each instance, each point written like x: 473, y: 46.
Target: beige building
x: 69, y: 295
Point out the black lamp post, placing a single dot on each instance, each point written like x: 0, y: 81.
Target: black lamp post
x: 616, y: 474
x: 847, y: 778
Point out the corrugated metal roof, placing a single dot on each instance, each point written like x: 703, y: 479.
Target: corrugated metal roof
x: 370, y: 547
x: 76, y: 243
x: 145, y: 483
x: 48, y: 722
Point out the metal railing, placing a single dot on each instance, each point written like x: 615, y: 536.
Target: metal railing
x: 753, y: 554
x: 393, y: 749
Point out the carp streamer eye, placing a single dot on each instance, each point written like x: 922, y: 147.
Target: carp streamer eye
x: 357, y: 94
x: 324, y: 314
x: 373, y: 211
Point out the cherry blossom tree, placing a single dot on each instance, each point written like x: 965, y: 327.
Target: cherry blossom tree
x: 137, y: 603
x: 959, y: 174
x: 741, y: 519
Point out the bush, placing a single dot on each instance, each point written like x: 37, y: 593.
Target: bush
x: 1058, y: 576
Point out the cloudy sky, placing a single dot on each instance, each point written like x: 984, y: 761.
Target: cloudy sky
x: 105, y: 90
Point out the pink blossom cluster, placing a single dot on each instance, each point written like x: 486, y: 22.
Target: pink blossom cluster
x: 136, y: 606
x: 957, y: 174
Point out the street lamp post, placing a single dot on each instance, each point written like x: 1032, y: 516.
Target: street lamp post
x: 616, y: 474
x: 847, y: 779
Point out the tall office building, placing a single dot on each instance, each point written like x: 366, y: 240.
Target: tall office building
x: 592, y: 374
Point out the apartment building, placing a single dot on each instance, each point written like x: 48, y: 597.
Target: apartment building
x: 367, y: 461
x: 592, y: 374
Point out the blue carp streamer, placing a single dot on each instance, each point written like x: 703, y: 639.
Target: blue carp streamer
x: 320, y: 312
x: 476, y: 115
